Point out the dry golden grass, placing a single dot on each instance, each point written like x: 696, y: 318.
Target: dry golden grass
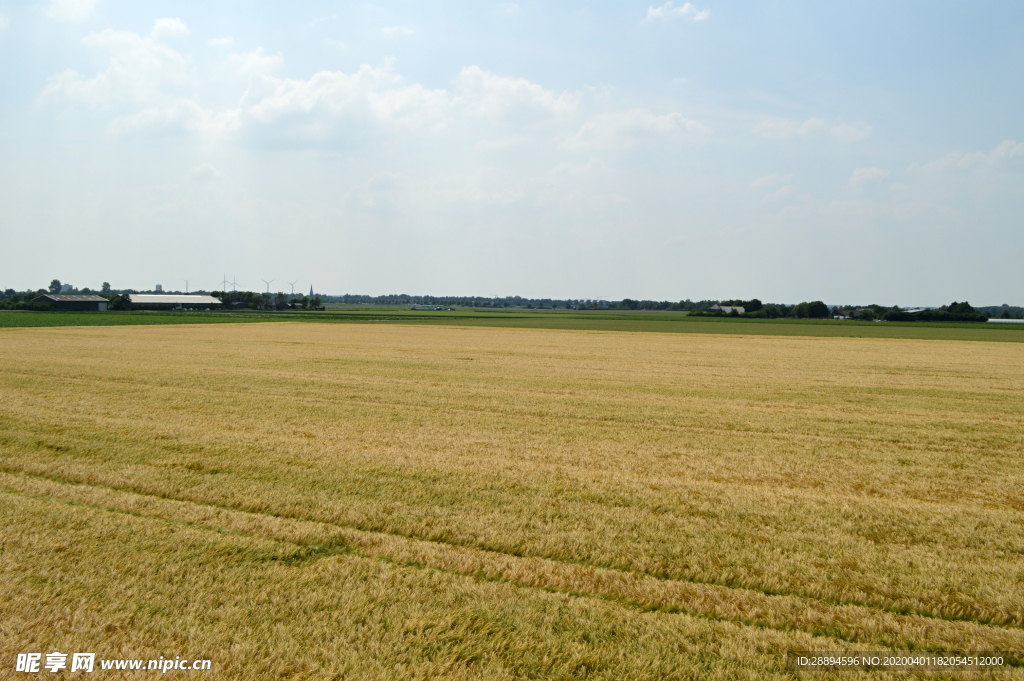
x: 826, y: 493
x: 82, y: 579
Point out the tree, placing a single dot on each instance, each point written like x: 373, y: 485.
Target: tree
x: 105, y: 288
x: 817, y: 310
x: 55, y: 286
x: 121, y: 302
x: 315, y: 302
x: 960, y: 308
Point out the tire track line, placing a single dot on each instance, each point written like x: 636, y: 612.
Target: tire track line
x: 852, y: 623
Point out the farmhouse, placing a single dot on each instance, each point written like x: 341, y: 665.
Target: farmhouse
x: 726, y: 309
x: 173, y: 302
x: 81, y: 303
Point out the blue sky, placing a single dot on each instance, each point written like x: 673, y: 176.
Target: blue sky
x: 859, y: 152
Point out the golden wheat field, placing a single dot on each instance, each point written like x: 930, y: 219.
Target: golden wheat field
x: 375, y: 502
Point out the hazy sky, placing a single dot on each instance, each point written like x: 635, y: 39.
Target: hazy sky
x: 852, y: 152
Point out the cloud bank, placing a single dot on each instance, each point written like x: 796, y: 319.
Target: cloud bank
x: 670, y: 11
x: 150, y: 85
x: 71, y: 10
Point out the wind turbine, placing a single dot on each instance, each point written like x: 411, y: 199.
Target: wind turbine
x: 186, y: 286
x: 292, y: 284
x: 234, y: 284
x: 268, y: 283
x: 225, y: 282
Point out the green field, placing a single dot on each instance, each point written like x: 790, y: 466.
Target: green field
x: 596, y: 320
x: 381, y: 501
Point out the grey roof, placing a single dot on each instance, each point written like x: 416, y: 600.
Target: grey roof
x: 144, y: 299
x: 64, y: 297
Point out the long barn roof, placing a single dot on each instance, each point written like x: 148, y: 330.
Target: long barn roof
x: 144, y: 299
x: 67, y: 297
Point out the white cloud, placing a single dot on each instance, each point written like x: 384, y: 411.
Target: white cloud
x: 169, y: 28
x: 138, y: 70
x: 177, y: 114
x: 221, y: 42
x: 148, y: 85
x: 337, y: 44
x: 861, y: 176
x: 395, y: 30
x: 256, y: 62
x: 1003, y: 153
x: 4, y: 21
x: 781, y: 194
x: 490, y: 94
x: 670, y: 11
x: 776, y: 187
x: 376, y: 93
x: 627, y: 128
x: 71, y: 10
x: 144, y: 76
x: 781, y: 129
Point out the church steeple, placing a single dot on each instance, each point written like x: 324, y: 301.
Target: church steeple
x: 310, y: 290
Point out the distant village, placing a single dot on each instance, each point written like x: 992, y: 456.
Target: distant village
x: 62, y: 296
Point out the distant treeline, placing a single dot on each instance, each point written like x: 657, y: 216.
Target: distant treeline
x: 1003, y: 311
x: 954, y: 312
x: 267, y: 301
x: 464, y: 301
x: 753, y: 308
x: 518, y: 301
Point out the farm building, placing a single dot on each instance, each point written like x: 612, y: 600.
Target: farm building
x: 726, y: 309
x: 173, y: 302
x: 81, y: 303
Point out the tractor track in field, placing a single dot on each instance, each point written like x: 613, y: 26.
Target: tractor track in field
x: 853, y: 623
